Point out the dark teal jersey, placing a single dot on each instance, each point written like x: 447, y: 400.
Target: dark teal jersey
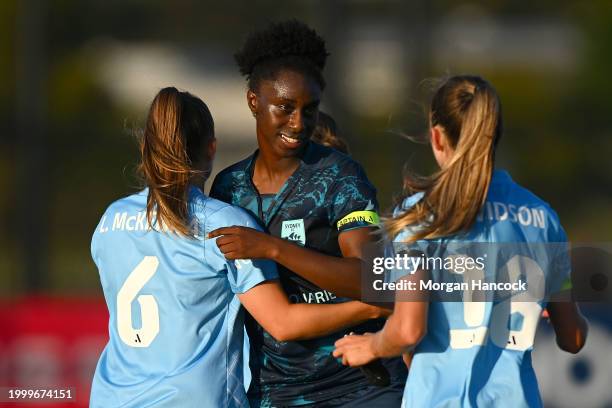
x: 328, y: 194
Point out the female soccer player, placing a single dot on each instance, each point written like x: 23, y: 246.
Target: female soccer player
x: 318, y: 209
x: 471, y: 353
x: 180, y: 344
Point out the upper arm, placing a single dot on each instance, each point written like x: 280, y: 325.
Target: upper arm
x: 352, y: 242
x: 353, y: 210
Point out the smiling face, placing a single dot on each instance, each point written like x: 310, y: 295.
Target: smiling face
x: 286, y: 109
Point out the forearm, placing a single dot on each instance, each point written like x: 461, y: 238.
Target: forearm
x: 390, y: 342
x: 570, y: 326
x: 307, y: 321
x: 407, y: 325
x: 339, y: 275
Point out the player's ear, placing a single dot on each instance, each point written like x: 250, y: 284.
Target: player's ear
x: 252, y: 101
x: 212, y: 149
x: 437, y: 144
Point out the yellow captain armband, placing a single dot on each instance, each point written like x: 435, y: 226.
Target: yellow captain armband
x: 567, y: 284
x: 358, y: 219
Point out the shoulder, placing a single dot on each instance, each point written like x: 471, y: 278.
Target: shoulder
x: 228, y: 178
x: 328, y: 159
x: 232, y: 171
x: 407, y: 203
x: 525, y: 201
x: 215, y: 213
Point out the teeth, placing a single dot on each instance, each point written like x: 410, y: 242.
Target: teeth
x: 290, y: 140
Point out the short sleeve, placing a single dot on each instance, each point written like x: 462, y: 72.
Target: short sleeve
x: 242, y: 274
x: 352, y: 200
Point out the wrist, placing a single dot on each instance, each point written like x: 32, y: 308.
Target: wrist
x: 375, y: 344
x: 376, y: 312
x: 273, y: 249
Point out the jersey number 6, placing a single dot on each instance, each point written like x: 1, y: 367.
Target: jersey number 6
x: 149, y: 312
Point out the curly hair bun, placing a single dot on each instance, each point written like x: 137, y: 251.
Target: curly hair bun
x: 290, y: 38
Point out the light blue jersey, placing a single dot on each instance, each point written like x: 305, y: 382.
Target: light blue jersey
x: 176, y: 325
x: 478, y: 354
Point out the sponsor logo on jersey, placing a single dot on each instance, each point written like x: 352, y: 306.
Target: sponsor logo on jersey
x: 293, y: 230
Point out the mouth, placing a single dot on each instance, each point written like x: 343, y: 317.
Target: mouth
x: 290, y: 141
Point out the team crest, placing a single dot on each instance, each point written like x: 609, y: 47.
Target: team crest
x: 293, y: 230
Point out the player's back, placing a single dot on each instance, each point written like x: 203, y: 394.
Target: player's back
x: 479, y: 353
x: 175, y: 323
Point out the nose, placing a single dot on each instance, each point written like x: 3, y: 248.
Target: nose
x: 296, y: 121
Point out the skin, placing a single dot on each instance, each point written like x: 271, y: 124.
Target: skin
x: 269, y: 305
x: 288, y: 107
x: 407, y: 325
x: 285, y: 321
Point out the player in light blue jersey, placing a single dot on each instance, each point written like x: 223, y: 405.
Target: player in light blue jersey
x: 176, y: 324
x: 469, y: 353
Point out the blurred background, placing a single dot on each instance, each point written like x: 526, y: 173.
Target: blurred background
x: 76, y: 78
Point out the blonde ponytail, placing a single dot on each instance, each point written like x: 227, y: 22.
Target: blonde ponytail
x: 469, y: 111
x: 178, y: 127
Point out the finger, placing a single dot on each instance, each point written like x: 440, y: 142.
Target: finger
x: 222, y: 231
x: 227, y: 248
x: 345, y: 360
x: 338, y: 352
x: 233, y: 255
x: 225, y: 239
x: 341, y: 342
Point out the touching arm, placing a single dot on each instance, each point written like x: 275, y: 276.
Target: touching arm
x: 285, y: 321
x: 570, y: 326
x: 247, y: 243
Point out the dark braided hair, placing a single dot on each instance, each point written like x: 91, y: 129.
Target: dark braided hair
x: 286, y: 45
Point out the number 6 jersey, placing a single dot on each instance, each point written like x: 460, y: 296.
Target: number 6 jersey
x: 176, y: 325
x: 478, y: 354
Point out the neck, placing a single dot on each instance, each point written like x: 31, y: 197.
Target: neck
x: 271, y: 172
x: 273, y: 167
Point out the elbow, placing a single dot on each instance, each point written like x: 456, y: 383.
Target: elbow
x: 411, y: 336
x: 572, y: 348
x: 576, y: 343
x: 284, y: 333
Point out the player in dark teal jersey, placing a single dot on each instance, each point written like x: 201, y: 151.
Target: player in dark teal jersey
x: 176, y: 325
x: 318, y: 208
x: 474, y: 353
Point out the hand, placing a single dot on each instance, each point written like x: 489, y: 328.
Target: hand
x: 356, y: 350
x: 244, y: 243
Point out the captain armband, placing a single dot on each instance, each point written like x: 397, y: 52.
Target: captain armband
x: 358, y: 219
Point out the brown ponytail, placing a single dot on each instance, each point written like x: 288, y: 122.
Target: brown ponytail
x: 179, y: 127
x: 469, y: 111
